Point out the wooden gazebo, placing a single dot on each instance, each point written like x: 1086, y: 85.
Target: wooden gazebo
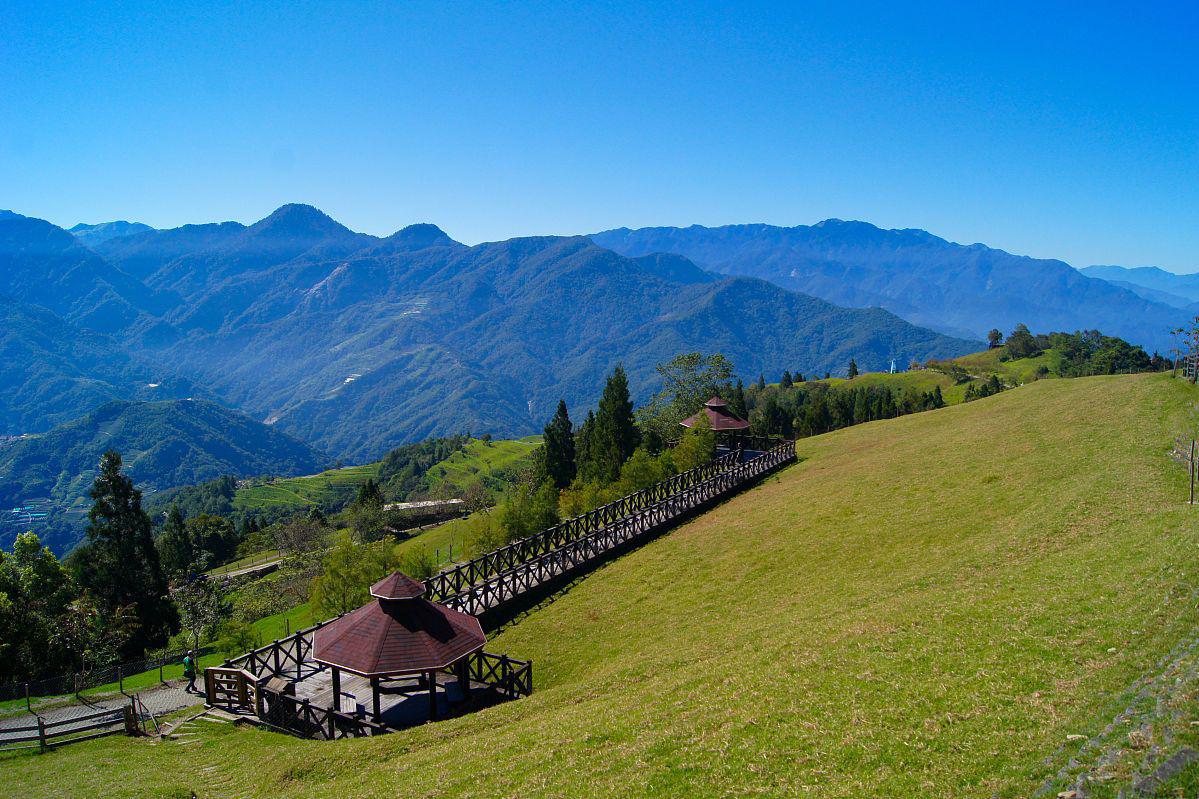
x: 719, y: 416
x: 398, y: 634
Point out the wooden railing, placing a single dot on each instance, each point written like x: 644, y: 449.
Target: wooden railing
x: 46, y: 734
x: 505, y: 677
x: 234, y: 688
x: 456, y: 580
x: 301, y: 717
x: 503, y: 586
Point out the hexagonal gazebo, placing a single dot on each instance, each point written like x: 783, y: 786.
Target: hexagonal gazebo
x: 399, y: 634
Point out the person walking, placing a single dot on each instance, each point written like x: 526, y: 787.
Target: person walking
x: 189, y: 671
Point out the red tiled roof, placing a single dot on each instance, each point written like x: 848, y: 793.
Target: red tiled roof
x: 719, y: 416
x: 397, y: 636
x: 397, y: 585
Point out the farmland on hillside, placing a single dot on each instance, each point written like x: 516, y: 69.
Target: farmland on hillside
x: 925, y: 606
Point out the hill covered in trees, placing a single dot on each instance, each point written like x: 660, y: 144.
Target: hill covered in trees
x: 164, y: 444
x: 359, y: 343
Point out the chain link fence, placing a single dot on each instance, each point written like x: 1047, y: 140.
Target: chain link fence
x: 66, y: 684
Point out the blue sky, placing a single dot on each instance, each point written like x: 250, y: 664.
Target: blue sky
x: 1042, y: 129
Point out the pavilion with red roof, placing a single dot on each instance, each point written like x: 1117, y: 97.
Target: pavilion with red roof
x: 399, y: 634
x: 719, y: 416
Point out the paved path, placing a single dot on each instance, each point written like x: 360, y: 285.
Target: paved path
x: 159, y: 700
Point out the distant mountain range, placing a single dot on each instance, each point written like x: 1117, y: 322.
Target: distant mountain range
x: 163, y: 444
x: 957, y: 289
x: 92, y: 235
x: 1179, y: 291
x: 356, y: 343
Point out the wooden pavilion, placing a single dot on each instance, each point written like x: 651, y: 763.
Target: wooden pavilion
x: 398, y: 635
x: 719, y: 416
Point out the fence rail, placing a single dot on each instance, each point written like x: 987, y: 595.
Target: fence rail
x: 454, y: 581
x: 46, y: 734
x: 502, y: 586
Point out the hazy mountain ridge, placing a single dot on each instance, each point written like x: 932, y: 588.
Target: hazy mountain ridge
x: 923, y: 278
x: 1179, y: 290
x: 92, y: 235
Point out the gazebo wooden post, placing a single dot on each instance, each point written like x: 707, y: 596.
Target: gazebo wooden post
x: 375, y: 697
x: 432, y: 677
x: 336, y: 689
x: 463, y: 677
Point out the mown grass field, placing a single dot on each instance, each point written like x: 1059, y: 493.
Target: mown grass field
x: 924, y: 607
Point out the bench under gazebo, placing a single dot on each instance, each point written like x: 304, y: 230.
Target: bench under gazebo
x: 397, y: 639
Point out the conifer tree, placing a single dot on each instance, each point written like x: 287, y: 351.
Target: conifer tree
x: 853, y: 368
x: 121, y: 566
x: 584, y: 462
x: 737, y: 401
x: 785, y: 381
x: 559, y: 443
x: 615, y: 436
x: 175, y: 548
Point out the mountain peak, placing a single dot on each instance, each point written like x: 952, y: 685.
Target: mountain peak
x: 299, y: 219
x: 420, y: 235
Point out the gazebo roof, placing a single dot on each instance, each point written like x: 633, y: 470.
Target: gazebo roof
x: 397, y: 585
x: 719, y: 416
x: 397, y: 635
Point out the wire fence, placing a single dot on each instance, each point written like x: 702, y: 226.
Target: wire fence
x: 66, y: 684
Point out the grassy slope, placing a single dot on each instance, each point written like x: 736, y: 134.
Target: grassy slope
x: 300, y: 492
x: 926, y: 606
x: 915, y: 381
x: 1021, y: 370
x: 487, y: 461
x: 480, y: 459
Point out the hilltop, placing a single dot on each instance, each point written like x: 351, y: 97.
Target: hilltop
x: 925, y: 606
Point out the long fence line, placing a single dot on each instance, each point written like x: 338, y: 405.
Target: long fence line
x: 67, y: 684
x: 455, y: 580
x: 503, y: 586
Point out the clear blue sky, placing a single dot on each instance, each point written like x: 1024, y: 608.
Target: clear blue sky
x: 1058, y: 131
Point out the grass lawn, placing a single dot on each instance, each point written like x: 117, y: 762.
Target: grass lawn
x: 924, y: 607
x: 1022, y: 370
x: 915, y: 381
x: 248, y: 560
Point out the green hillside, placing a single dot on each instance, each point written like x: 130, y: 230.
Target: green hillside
x: 924, y: 607
x: 494, y: 463
x: 325, y: 489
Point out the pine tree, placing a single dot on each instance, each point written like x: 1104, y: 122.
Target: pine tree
x: 615, y: 436
x: 785, y: 381
x: 761, y: 382
x: 584, y: 460
x: 853, y: 368
x: 175, y: 548
x: 121, y: 566
x: 938, y: 398
x: 559, y: 443
x: 737, y: 401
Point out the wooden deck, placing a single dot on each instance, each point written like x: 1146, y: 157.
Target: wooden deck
x: 402, y: 702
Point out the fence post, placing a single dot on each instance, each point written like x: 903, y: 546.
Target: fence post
x: 27, y: 705
x: 161, y: 662
x: 41, y: 734
x: 121, y: 679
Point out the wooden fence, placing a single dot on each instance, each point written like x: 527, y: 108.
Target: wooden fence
x: 44, y: 735
x: 482, y: 585
x: 455, y: 581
